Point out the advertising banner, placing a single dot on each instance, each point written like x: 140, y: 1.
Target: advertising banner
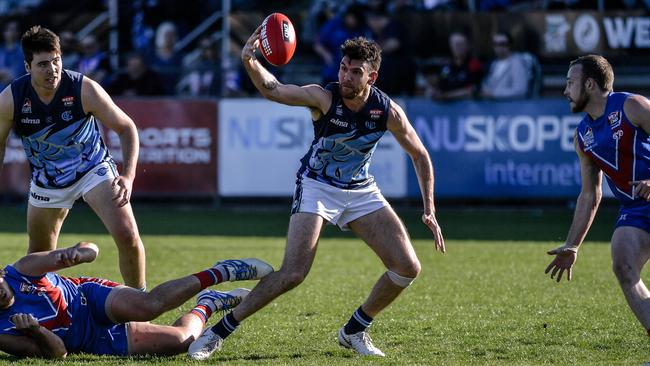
x: 261, y: 144
x: 498, y: 149
x: 177, y: 146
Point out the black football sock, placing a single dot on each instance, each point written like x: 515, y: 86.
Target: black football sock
x: 359, y: 322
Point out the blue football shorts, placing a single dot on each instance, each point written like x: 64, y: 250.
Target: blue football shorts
x: 636, y: 216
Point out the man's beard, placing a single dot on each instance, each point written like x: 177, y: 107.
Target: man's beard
x: 581, y: 102
x: 350, y: 93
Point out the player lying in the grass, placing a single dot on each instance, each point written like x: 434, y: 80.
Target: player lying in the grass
x: 43, y: 314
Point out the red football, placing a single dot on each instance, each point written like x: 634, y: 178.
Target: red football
x: 277, y: 39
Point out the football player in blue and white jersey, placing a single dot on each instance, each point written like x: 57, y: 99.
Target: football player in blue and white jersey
x: 55, y: 112
x: 612, y: 139
x: 334, y: 186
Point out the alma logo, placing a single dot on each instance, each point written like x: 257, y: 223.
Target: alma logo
x: 30, y: 121
x: 338, y: 122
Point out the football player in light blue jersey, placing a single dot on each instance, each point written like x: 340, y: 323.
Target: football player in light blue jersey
x: 614, y: 139
x: 334, y: 185
x: 43, y: 314
x: 55, y: 112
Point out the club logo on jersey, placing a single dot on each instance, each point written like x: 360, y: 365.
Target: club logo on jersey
x: 27, y: 106
x: 376, y: 113
x: 338, y: 122
x: 339, y: 110
x: 588, y: 139
x: 28, y: 288
x: 67, y: 101
x: 66, y: 116
x: 614, y: 119
x: 371, y: 125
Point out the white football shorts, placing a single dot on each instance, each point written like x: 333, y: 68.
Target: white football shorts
x: 337, y: 206
x: 65, y: 197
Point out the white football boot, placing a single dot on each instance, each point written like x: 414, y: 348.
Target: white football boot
x: 220, y: 301
x: 244, y: 269
x: 359, y: 342
x: 205, y: 345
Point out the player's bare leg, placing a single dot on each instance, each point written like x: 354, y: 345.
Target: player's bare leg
x: 383, y: 231
x: 121, y: 224
x: 385, y: 234
x: 302, y: 241
x: 126, y: 304
x: 630, y: 252
x: 43, y: 227
x: 153, y: 339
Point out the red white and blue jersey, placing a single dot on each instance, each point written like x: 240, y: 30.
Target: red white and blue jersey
x: 66, y: 306
x: 620, y: 149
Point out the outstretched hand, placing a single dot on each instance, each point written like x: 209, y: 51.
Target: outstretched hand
x: 248, y: 52
x: 69, y: 257
x: 565, y: 257
x: 123, y: 192
x: 80, y: 253
x: 431, y: 222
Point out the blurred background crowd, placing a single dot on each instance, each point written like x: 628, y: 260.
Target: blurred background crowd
x: 439, y: 49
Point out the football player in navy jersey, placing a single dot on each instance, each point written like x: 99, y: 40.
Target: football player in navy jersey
x: 613, y: 138
x: 334, y: 186
x: 55, y: 113
x: 43, y: 314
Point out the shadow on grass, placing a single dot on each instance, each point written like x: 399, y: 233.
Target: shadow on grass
x: 457, y: 223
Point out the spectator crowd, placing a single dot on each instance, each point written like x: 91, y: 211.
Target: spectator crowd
x: 153, y: 64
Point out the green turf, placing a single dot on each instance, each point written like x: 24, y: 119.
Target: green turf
x: 487, y: 301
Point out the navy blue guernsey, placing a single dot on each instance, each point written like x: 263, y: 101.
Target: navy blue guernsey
x: 61, y: 141
x: 344, y: 141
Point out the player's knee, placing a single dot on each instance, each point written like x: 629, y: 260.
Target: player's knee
x: 292, y: 278
x: 407, y: 268
x: 625, y: 272
x: 401, y: 280
x: 127, y: 238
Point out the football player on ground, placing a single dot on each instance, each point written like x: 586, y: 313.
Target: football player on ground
x: 43, y: 314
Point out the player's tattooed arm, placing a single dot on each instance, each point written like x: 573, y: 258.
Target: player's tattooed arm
x: 270, y: 84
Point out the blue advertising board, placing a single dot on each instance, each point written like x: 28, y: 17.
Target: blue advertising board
x: 513, y: 149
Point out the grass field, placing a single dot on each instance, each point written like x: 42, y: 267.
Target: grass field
x: 486, y: 301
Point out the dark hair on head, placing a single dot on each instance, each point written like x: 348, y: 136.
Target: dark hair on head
x: 362, y: 49
x: 598, y: 68
x: 505, y: 34
x: 39, y: 39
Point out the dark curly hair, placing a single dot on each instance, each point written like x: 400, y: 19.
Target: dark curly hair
x: 598, y: 68
x: 39, y: 39
x: 360, y: 48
